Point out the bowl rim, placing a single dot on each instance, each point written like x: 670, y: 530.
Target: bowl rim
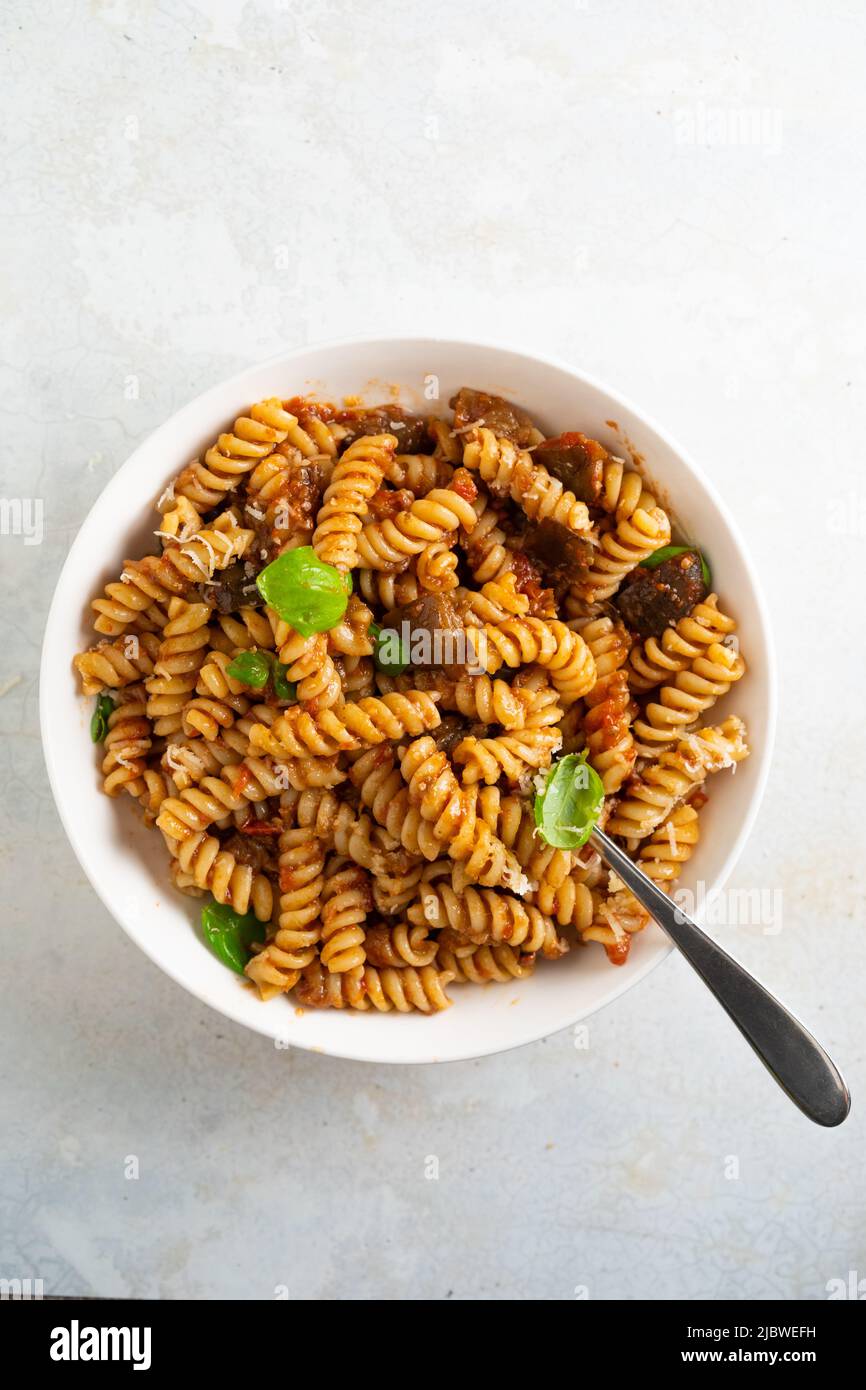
x: 621, y: 981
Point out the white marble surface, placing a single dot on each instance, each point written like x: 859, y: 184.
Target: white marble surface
x: 670, y: 196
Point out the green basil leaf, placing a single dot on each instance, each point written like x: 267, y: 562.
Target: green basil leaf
x: 251, y: 668
x: 283, y: 689
x: 390, y: 652
x: 99, y: 721
x: 306, y: 593
x: 568, y: 808
x: 229, y: 935
x: 667, y: 552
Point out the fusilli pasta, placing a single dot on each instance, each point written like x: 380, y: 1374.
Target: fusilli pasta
x: 365, y: 808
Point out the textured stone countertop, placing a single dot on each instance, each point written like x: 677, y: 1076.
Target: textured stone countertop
x: 671, y: 198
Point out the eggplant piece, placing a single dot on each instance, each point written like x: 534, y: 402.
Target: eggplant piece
x: 235, y: 589
x: 506, y: 420
x: 450, y: 732
x: 253, y: 851
x: 561, y: 553
x: 577, y: 462
x: 437, y: 617
x: 654, y: 599
x: 410, y: 431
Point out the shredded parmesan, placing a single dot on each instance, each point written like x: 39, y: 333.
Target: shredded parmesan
x: 207, y: 570
x: 517, y: 881
x: 254, y: 511
x: 167, y: 496
x: 672, y: 837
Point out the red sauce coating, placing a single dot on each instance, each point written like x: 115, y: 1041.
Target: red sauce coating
x: 618, y: 953
x: 462, y: 483
x: 387, y: 502
x: 261, y: 827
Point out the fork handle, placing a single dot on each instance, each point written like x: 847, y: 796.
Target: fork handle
x: 789, y: 1052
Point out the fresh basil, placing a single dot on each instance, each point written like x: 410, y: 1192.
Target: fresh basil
x: 99, y: 721
x: 306, y: 593
x: 390, y: 652
x: 283, y: 689
x: 255, y: 668
x: 567, y: 809
x: 229, y: 935
x: 251, y: 668
x: 667, y: 552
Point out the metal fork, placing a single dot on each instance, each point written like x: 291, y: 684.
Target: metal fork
x: 787, y: 1049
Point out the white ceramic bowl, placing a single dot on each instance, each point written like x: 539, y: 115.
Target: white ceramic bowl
x: 126, y: 863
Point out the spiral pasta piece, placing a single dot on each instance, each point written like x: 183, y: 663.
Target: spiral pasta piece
x: 356, y: 477
x: 486, y: 542
x: 337, y: 825
x: 146, y: 586
x: 436, y: 568
x: 670, y: 846
x: 485, y: 917
x: 651, y: 797
x: 299, y: 732
x: 470, y: 963
x: 235, y: 454
x: 400, y: 945
x: 510, y: 756
x: 420, y: 473
x: 452, y: 814
x: 690, y: 694
x: 204, y: 864
x: 181, y: 521
x: 512, y: 820
x: 112, y: 665
x: 495, y: 601
x: 607, y: 725
x: 218, y: 700
x: 185, y: 639
x: 518, y: 641
x: 346, y: 900
x: 366, y: 987
x: 390, y: 544
x: 351, y: 635
x: 489, y: 701
x: 511, y: 472
x: 309, y: 664
x: 381, y: 788
x: 624, y: 545
x: 276, y: 969
x: 187, y: 761
x: 155, y: 787
x: 127, y: 744
x: 572, y: 904
x: 659, y: 659
x: 607, y: 639
x: 247, y: 627
x: 199, y: 806
x: 623, y: 489
x: 388, y: 590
